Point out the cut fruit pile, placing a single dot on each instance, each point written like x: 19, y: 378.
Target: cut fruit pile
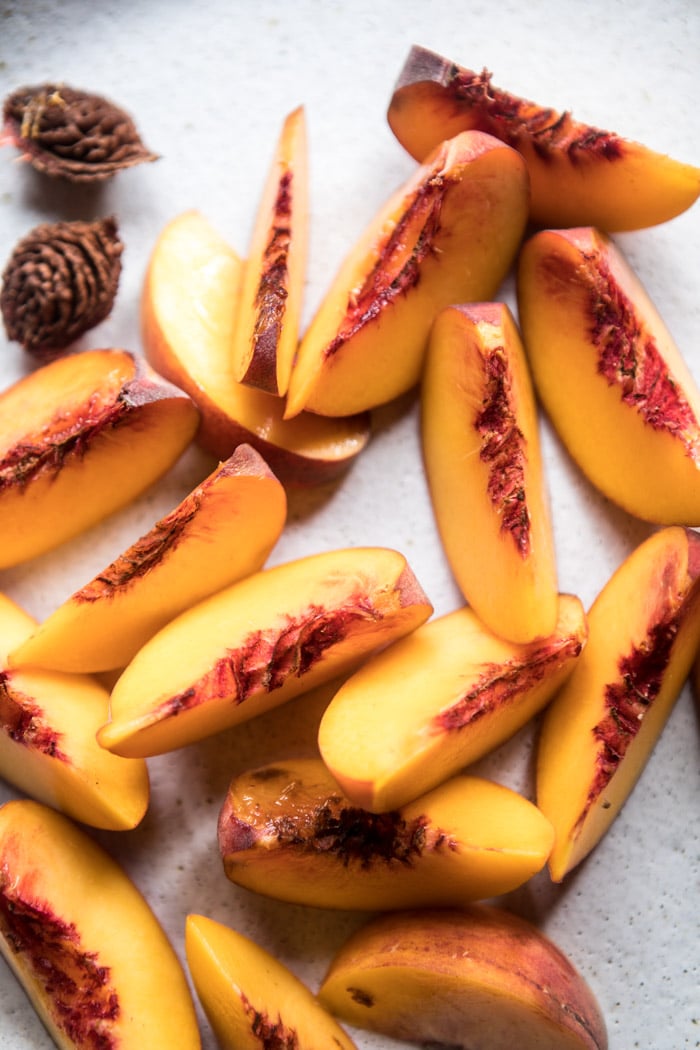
x: 200, y: 635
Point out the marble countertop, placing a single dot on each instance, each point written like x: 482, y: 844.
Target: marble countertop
x: 209, y: 85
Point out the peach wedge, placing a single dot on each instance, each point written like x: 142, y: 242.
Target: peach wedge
x: 274, y: 272
x: 259, y: 643
x: 448, y: 234
x: 479, y: 977
x: 481, y: 450
x: 80, y: 438
x: 83, y: 942
x: 608, y: 374
x: 599, y: 731
x: 287, y: 831
x: 190, y: 306
x: 48, y: 747
x: 425, y: 707
x: 251, y: 999
x: 579, y: 175
x: 222, y: 531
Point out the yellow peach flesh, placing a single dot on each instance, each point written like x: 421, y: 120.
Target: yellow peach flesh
x: 483, y: 463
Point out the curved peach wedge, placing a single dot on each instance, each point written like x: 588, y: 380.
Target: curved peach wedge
x: 579, y: 175
x: 608, y: 374
x: 287, y: 831
x: 424, y: 708
x: 481, y: 450
x: 48, y: 747
x: 259, y: 643
x: 477, y: 976
x: 251, y: 999
x: 83, y: 942
x: 269, y: 311
x: 599, y: 731
x: 190, y: 306
x: 80, y: 438
x: 222, y: 531
x: 448, y: 234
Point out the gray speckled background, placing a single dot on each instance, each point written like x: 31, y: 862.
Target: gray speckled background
x: 209, y: 85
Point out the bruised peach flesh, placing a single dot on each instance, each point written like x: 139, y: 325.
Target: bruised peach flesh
x: 286, y: 830
x: 579, y: 174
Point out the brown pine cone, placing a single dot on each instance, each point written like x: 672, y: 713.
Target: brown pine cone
x: 60, y: 280
x: 69, y: 133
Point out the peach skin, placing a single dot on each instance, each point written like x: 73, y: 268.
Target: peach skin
x: 579, y: 175
x: 222, y: 531
x: 481, y: 450
x: 83, y: 942
x: 599, y: 731
x: 80, y: 438
x: 251, y: 999
x: 448, y: 234
x: 269, y: 310
x: 477, y: 976
x: 427, y: 706
x: 261, y: 642
x: 287, y: 831
x: 609, y: 375
x: 48, y: 747
x: 190, y: 305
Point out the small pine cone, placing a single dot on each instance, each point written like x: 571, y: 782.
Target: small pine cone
x: 60, y: 280
x: 71, y: 134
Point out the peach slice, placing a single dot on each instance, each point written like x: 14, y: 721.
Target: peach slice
x: 437, y: 700
x: 609, y: 375
x: 481, y: 450
x: 477, y: 976
x: 48, y: 746
x: 83, y: 941
x: 448, y: 234
x: 189, y: 312
x: 223, y: 530
x: 251, y: 999
x: 579, y: 175
x: 287, y: 831
x: 267, y: 330
x: 598, y: 733
x: 81, y: 437
x: 259, y: 643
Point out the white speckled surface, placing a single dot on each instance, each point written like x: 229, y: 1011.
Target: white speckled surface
x: 209, y: 85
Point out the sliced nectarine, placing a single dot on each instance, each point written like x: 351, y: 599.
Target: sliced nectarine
x: 609, y: 374
x: 474, y: 977
x: 223, y: 530
x: 259, y: 643
x: 449, y: 234
x: 79, y: 438
x: 287, y: 831
x: 83, y: 941
x: 579, y: 175
x: 433, y: 702
x: 189, y: 309
x: 598, y: 733
x: 251, y: 999
x: 483, y: 463
x: 267, y: 327
x: 48, y: 747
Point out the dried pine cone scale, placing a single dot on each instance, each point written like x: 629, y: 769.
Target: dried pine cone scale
x: 72, y: 134
x: 60, y: 281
